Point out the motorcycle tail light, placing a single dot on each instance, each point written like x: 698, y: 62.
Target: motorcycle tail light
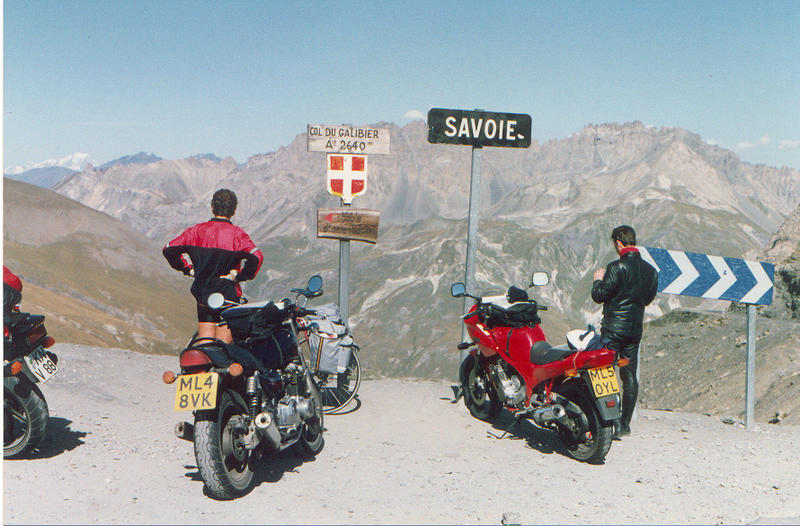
x: 36, y: 334
x: 194, y: 359
x: 48, y: 342
x: 6, y: 332
x: 623, y: 362
x: 16, y: 367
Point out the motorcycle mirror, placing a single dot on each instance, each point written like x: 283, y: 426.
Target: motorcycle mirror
x: 458, y: 290
x: 539, y: 278
x: 314, y: 283
x: 216, y: 300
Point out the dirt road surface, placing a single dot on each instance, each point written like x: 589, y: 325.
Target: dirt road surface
x: 406, y: 455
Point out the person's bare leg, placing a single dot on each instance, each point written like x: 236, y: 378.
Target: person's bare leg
x: 206, y: 329
x: 224, y: 333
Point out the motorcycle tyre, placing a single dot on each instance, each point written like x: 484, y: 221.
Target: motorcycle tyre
x: 225, y: 476
x: 595, y: 450
x: 26, y: 397
x: 311, y: 440
x: 488, y: 407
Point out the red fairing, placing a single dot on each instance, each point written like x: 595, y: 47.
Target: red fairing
x: 11, y: 279
x: 514, y: 346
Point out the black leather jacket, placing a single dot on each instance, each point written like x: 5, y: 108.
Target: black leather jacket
x: 629, y: 285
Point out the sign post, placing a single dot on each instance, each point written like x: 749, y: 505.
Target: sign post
x: 472, y: 233
x: 347, y: 148
x: 718, y: 278
x: 477, y: 129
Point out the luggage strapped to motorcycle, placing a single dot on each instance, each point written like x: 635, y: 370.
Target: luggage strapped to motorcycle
x: 328, y: 339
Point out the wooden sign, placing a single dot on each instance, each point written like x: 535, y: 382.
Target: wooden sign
x: 347, y: 139
x: 355, y: 224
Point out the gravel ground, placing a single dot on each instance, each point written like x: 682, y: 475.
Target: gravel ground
x: 405, y: 455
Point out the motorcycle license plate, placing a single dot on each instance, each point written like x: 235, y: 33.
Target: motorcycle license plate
x: 604, y: 381
x: 196, y: 391
x: 41, y: 365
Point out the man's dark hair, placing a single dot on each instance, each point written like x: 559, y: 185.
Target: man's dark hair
x: 625, y: 235
x: 224, y: 203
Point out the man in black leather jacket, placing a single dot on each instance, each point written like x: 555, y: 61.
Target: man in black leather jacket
x: 625, y: 287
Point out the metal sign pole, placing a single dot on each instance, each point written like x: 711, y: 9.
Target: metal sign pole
x: 472, y: 235
x: 750, y: 393
x: 344, y: 278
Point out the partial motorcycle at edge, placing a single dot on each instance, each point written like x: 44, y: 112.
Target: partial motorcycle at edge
x: 571, y: 389
x: 26, y: 362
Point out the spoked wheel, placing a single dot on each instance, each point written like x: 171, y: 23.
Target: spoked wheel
x: 338, y: 390
x: 586, y: 438
x: 479, y: 395
x: 222, y: 458
x: 25, y: 416
x: 311, y: 441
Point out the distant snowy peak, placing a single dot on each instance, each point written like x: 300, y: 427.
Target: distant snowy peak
x: 137, y: 158
x: 75, y: 162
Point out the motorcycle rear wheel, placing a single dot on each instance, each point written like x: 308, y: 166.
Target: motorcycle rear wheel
x: 222, y: 459
x: 592, y: 447
x: 311, y: 440
x: 479, y: 395
x: 25, y: 416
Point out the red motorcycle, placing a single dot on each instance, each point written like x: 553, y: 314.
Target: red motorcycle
x: 571, y: 389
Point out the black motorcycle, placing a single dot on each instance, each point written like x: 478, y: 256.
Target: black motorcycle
x: 26, y: 362
x: 254, y: 396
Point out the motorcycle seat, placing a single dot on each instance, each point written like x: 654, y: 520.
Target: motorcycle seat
x: 543, y: 353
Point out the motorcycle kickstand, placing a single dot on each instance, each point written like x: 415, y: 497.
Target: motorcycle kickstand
x: 458, y: 392
x: 517, y: 419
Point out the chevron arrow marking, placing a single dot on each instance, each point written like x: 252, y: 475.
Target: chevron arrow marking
x: 763, y: 283
x: 711, y: 277
x: 685, y: 278
x: 726, y: 278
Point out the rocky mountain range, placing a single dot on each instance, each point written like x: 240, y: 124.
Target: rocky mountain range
x: 549, y: 207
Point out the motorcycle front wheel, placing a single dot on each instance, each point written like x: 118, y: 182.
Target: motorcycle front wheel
x: 479, y: 395
x: 25, y: 416
x: 311, y: 440
x: 590, y: 446
x: 222, y: 458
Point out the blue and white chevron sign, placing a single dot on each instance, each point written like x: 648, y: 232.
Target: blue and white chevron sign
x: 711, y: 277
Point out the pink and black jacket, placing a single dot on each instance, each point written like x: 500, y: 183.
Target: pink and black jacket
x: 213, y: 249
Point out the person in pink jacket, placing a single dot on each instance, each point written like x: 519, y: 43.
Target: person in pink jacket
x: 219, y: 255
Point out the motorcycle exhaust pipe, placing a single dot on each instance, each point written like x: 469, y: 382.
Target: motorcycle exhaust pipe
x: 548, y: 413
x: 185, y: 431
x: 266, y: 427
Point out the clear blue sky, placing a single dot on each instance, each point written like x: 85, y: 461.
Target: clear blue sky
x: 238, y: 78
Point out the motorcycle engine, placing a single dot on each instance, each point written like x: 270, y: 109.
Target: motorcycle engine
x: 512, y: 388
x: 292, y: 410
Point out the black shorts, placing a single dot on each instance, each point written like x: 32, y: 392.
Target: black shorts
x: 207, y: 314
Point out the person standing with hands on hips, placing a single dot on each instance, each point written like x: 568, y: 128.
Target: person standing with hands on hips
x: 212, y: 253
x: 625, y: 287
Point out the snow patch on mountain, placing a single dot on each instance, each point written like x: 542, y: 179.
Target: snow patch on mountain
x: 76, y: 162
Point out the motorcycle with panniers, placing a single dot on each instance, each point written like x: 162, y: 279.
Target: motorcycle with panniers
x: 251, y: 398
x: 570, y: 389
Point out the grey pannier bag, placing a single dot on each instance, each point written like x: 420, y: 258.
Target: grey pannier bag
x: 328, y: 340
